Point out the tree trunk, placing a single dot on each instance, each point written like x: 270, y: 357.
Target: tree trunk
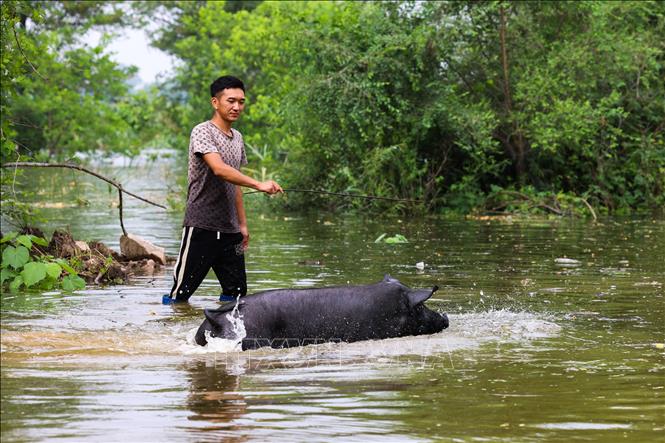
x: 515, y: 143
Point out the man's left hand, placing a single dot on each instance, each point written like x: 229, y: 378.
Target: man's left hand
x: 245, y: 237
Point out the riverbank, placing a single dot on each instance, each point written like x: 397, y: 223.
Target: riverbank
x: 65, y: 257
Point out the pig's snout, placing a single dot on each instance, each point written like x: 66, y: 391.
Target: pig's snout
x: 444, y: 319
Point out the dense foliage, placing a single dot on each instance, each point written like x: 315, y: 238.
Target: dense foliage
x: 450, y: 102
x: 60, y: 95
x: 466, y: 105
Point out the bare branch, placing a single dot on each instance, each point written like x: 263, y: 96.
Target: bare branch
x: 26, y: 57
x: 593, y: 213
x: 79, y: 168
x: 117, y: 185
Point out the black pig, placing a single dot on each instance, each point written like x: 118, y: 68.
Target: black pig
x: 296, y: 317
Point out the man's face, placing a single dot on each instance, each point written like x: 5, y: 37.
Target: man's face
x: 229, y: 103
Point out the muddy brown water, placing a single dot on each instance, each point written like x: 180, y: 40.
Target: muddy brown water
x: 556, y: 332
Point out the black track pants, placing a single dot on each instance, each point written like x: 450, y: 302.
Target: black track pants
x: 201, y: 250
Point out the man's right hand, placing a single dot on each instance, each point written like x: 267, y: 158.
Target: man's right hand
x: 269, y: 187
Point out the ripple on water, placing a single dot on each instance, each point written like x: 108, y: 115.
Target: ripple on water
x: 582, y: 426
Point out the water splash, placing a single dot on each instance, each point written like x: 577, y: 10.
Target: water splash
x: 503, y: 324
x: 467, y: 331
x: 214, y: 345
x: 219, y: 344
x: 235, y: 318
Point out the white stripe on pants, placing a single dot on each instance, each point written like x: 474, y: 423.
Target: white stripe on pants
x: 179, y: 269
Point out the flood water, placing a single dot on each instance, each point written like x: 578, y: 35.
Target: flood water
x: 556, y: 331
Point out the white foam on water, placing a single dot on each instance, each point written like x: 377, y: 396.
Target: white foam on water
x: 502, y: 324
x: 466, y: 331
x: 335, y: 360
x: 214, y: 345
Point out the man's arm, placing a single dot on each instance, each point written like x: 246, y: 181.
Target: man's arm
x: 242, y: 218
x: 231, y: 175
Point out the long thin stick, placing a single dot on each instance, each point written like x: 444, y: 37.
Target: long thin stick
x: 593, y: 213
x: 344, y: 194
x: 122, y: 225
x: 118, y: 186
x: 18, y: 43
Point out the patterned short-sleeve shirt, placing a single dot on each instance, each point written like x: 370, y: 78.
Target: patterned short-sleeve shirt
x: 211, y: 201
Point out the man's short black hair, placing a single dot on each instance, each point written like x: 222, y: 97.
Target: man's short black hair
x: 225, y: 82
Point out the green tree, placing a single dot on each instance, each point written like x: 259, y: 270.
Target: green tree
x: 592, y: 99
x: 213, y: 39
x: 451, y: 102
x: 61, y: 96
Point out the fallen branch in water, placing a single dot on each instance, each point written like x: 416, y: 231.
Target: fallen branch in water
x: 521, y: 198
x: 593, y: 213
x: 568, y: 205
x: 114, y: 183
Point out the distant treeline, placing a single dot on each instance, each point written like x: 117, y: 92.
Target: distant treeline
x: 465, y: 105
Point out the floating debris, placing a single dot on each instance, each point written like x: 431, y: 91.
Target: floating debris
x: 648, y: 283
x: 564, y: 261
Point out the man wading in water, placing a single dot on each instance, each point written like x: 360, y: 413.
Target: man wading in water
x: 215, y: 231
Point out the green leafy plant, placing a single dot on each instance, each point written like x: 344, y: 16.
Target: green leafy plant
x: 21, y: 269
x: 395, y: 239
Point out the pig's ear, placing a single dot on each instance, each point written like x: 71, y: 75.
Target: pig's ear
x: 420, y: 295
x: 211, y: 315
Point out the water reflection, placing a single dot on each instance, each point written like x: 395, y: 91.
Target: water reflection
x: 553, y: 326
x: 215, y: 398
x: 275, y: 403
x: 53, y: 399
